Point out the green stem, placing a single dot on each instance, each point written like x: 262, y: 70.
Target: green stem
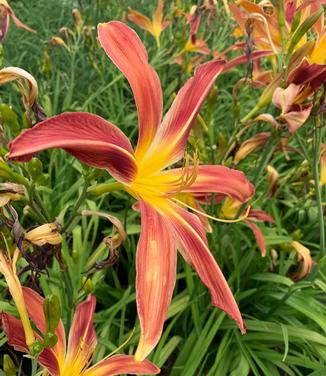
x: 315, y: 168
x: 250, y: 114
x: 79, y: 202
x: 101, y: 189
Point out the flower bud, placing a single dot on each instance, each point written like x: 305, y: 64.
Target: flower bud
x: 52, y: 313
x: 57, y: 41
x: 77, y: 18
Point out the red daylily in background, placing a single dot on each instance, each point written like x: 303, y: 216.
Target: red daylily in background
x: 74, y: 360
x: 6, y: 13
x: 166, y: 225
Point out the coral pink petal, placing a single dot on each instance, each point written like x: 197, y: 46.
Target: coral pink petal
x: 14, y: 331
x: 156, y: 275
x: 259, y: 237
x: 193, y: 246
x: 169, y: 143
x: 121, y: 364
x: 91, y: 139
x: 82, y: 336
x: 219, y: 179
x: 127, y: 52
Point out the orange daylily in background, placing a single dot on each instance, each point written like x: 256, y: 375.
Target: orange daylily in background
x: 166, y: 224
x: 6, y: 13
x: 154, y: 26
x: 76, y: 358
x: 265, y: 29
x: 293, y: 114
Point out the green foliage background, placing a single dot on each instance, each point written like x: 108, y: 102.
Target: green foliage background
x: 286, y: 320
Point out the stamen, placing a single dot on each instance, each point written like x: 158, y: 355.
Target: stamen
x: 240, y: 219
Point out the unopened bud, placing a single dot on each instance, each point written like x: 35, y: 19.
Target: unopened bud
x: 77, y: 18
x: 52, y: 313
x: 57, y: 41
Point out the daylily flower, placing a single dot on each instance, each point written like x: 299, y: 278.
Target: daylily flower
x: 154, y: 26
x: 6, y: 13
x: 76, y: 358
x: 293, y: 114
x: 166, y: 225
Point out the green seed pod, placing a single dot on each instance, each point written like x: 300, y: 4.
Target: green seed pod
x: 9, y: 367
x: 9, y: 118
x: 52, y: 312
x: 36, y: 348
x: 50, y: 340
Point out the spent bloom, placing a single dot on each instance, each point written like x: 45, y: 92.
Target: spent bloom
x: 74, y: 359
x: 166, y: 223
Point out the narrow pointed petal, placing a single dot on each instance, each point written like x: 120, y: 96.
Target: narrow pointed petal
x: 259, y: 237
x: 170, y: 141
x: 89, y: 138
x: 221, y: 179
x: 125, y: 49
x: 82, y: 337
x: 14, y: 331
x: 17, y: 22
x: 34, y: 305
x: 193, y: 246
x: 121, y: 364
x: 214, y: 179
x: 156, y: 275
x: 140, y: 20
